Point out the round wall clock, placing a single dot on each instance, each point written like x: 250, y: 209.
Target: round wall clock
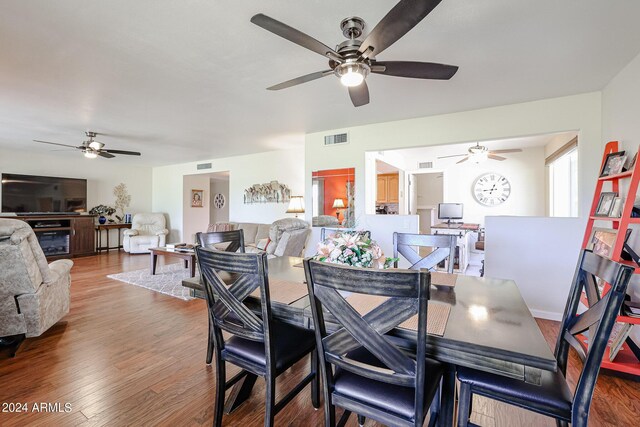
x: 491, y: 189
x: 218, y: 201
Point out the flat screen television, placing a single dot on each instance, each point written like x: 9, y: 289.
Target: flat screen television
x: 43, y: 194
x: 449, y: 211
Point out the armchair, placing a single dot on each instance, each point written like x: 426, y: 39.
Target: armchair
x: 148, y: 230
x: 288, y: 237
x: 34, y: 295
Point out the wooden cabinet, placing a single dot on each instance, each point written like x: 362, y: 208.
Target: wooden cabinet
x: 388, y: 188
x: 82, y: 236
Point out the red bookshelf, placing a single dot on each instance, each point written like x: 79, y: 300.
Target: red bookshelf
x: 625, y: 361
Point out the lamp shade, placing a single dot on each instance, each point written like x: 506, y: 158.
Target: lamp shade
x: 296, y: 205
x: 338, y: 204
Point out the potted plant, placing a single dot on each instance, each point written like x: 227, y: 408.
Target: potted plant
x: 352, y: 248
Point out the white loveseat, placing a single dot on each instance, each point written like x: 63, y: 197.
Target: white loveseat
x: 148, y: 230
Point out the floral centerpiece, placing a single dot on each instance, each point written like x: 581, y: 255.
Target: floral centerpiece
x: 103, y: 211
x: 352, y: 248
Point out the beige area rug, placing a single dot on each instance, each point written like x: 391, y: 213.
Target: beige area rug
x: 167, y: 280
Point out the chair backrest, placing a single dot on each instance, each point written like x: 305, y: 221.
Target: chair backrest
x: 225, y: 301
x: 408, y: 293
x: 598, y: 320
x: 404, y: 244
x: 148, y: 223
x: 326, y: 232
x: 235, y: 240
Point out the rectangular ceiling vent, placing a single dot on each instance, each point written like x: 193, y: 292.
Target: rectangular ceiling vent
x: 425, y: 165
x: 339, y: 138
x: 204, y: 166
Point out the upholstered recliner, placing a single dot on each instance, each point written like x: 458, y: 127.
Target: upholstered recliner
x: 288, y: 237
x: 148, y: 230
x: 34, y: 295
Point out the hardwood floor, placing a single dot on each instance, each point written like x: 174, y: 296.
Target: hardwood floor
x: 125, y: 355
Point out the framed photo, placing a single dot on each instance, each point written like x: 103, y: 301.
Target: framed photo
x: 613, y: 160
x: 197, y: 197
x: 602, y: 241
x: 605, y: 203
x: 616, y: 208
x: 630, y: 163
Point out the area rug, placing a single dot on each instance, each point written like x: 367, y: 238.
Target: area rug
x: 167, y: 280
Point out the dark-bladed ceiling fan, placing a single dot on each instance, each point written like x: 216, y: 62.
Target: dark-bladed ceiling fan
x: 92, y: 148
x: 479, y: 153
x: 354, y: 59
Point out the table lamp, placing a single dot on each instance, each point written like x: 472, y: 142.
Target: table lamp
x: 338, y: 204
x: 296, y: 205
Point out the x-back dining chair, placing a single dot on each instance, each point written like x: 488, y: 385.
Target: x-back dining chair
x: 235, y: 243
x: 553, y: 396
x: 404, y: 244
x: 363, y: 371
x: 259, y: 344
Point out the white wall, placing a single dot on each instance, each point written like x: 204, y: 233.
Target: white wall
x: 525, y: 172
x: 539, y: 254
x: 102, y: 175
x: 285, y: 166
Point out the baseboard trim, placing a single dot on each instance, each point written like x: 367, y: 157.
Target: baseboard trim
x: 549, y: 315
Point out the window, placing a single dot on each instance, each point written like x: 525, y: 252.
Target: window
x: 563, y: 184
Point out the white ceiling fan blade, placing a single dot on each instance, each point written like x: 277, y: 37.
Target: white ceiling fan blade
x: 463, y: 160
x: 453, y: 155
x: 513, y: 150
x: 494, y: 157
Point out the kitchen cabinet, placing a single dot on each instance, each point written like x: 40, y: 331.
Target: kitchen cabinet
x: 388, y: 188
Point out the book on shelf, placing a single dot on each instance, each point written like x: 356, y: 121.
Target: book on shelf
x: 618, y: 337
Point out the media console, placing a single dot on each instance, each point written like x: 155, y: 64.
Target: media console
x: 63, y: 235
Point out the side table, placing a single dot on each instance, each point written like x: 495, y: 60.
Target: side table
x: 107, y: 228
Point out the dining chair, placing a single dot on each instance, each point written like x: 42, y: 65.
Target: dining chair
x: 405, y: 243
x: 216, y: 239
x: 363, y: 370
x: 553, y: 397
x: 335, y: 231
x: 258, y: 344
x: 213, y: 239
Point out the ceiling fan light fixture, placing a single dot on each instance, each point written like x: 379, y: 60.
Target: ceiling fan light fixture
x: 479, y: 157
x: 95, y: 145
x: 352, y: 74
x: 90, y: 154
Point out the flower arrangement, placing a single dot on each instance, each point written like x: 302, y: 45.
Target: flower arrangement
x: 102, y: 210
x: 352, y: 248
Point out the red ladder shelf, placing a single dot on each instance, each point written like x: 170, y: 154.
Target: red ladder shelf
x: 625, y: 361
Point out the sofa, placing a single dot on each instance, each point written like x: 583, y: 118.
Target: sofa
x: 34, y: 295
x: 148, y: 230
x: 284, y: 237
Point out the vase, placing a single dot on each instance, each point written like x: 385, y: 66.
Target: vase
x: 102, y: 219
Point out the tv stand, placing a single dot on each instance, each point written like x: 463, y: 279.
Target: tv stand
x: 62, y: 235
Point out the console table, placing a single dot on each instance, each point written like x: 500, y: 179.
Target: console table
x: 100, y: 227
x: 463, y: 244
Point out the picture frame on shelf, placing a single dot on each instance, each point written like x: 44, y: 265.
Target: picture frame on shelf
x: 616, y: 208
x: 197, y: 197
x: 631, y: 162
x: 613, y: 162
x: 602, y: 241
x: 605, y: 203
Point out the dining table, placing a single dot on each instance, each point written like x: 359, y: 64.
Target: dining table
x: 489, y: 328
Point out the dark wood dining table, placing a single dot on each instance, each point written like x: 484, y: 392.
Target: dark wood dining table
x: 489, y: 328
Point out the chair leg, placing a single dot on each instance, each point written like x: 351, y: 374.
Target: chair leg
x: 221, y: 379
x: 464, y: 404
x: 562, y: 423
x: 315, y: 383
x: 361, y: 419
x: 344, y: 418
x: 209, y: 342
x: 270, y: 400
x: 434, y: 409
x: 329, y: 414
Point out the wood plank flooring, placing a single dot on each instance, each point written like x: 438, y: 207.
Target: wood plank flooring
x: 125, y: 355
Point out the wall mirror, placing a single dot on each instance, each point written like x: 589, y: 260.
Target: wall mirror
x: 333, y: 198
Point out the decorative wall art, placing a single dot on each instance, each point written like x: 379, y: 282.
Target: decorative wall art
x: 196, y: 198
x: 271, y: 192
x: 219, y: 201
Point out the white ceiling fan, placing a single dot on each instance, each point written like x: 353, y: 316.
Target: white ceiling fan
x: 479, y: 153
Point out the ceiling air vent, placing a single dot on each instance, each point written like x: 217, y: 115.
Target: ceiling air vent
x: 425, y: 165
x: 339, y: 138
x: 204, y: 166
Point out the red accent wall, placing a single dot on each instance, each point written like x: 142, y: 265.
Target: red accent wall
x: 335, y: 181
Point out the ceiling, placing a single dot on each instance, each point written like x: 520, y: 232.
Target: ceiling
x: 182, y: 81
x: 413, y: 156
